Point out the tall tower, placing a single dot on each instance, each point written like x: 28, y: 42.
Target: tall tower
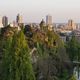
x: 1, y: 25
x: 19, y: 19
x: 5, y: 21
x: 49, y: 20
x: 71, y: 25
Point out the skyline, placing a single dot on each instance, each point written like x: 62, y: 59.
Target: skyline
x: 34, y: 11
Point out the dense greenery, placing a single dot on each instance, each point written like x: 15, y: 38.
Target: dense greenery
x: 73, y: 49
x: 36, y: 54
x: 16, y: 62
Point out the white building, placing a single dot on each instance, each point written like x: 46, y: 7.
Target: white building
x: 1, y: 25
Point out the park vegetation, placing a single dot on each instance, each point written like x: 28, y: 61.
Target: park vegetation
x: 36, y: 54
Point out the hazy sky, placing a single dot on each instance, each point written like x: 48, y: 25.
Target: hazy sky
x: 35, y: 10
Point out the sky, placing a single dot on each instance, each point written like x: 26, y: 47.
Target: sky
x: 36, y: 10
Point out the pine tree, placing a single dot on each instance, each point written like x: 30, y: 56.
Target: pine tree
x: 16, y: 59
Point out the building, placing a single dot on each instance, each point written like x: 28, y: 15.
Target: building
x: 14, y: 25
x: 1, y: 25
x: 49, y: 20
x: 76, y: 33
x: 19, y: 19
x: 65, y: 35
x: 5, y: 21
x: 77, y: 26
x: 71, y: 25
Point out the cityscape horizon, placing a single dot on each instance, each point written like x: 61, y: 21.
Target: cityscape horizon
x: 44, y: 18
x: 39, y: 39
x: 34, y: 11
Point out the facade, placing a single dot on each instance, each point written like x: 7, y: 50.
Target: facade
x: 71, y: 25
x: 5, y: 21
x: 19, y: 19
x: 65, y: 35
x: 49, y: 20
x: 1, y: 25
x: 77, y: 26
x: 14, y: 25
x: 76, y: 33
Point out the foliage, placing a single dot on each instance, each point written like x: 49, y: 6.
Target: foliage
x: 53, y: 61
x: 73, y: 78
x: 16, y: 63
x: 51, y: 57
x: 73, y: 49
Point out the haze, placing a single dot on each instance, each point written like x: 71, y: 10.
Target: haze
x: 35, y: 10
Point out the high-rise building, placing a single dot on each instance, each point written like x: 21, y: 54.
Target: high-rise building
x: 19, y: 19
x: 71, y: 25
x: 5, y: 21
x: 49, y: 20
x: 1, y: 25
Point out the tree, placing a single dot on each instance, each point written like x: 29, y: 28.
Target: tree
x: 53, y: 61
x: 72, y: 48
x: 51, y: 65
x: 73, y: 78
x: 16, y: 63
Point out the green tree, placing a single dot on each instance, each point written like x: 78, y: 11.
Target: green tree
x: 16, y: 63
x: 72, y: 48
x: 53, y: 61
x: 73, y: 78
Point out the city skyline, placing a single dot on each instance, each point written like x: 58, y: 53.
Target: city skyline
x: 34, y: 11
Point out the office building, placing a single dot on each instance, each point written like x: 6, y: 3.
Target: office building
x: 71, y: 25
x: 49, y: 20
x: 19, y: 19
x: 1, y: 25
x: 5, y: 21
